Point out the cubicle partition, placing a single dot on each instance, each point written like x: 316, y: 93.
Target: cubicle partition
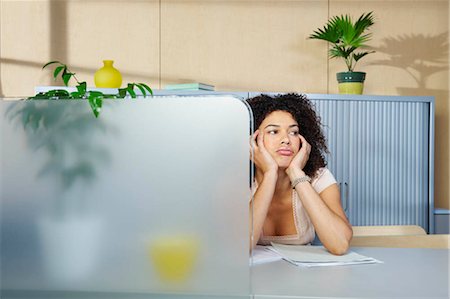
x: 148, y: 200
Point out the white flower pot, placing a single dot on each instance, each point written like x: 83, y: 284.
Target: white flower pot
x: 70, y: 248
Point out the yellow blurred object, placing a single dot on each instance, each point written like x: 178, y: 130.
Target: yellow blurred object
x: 108, y: 76
x: 174, y: 257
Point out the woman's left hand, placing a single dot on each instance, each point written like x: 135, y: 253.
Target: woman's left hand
x: 301, y: 158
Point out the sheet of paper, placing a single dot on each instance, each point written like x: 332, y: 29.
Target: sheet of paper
x: 262, y: 255
x: 313, y: 256
x: 370, y: 261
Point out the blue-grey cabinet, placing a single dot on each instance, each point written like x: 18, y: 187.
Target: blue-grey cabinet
x: 381, y: 152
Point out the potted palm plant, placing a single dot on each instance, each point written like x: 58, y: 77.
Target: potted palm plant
x: 345, y: 37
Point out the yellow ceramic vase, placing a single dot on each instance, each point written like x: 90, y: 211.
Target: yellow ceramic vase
x: 108, y: 76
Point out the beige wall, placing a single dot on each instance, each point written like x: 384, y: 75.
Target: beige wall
x: 234, y: 45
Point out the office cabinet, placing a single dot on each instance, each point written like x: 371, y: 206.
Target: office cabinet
x: 381, y: 152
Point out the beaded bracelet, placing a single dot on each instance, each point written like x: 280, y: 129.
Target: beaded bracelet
x: 304, y: 178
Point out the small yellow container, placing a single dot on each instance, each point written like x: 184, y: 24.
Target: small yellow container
x: 108, y: 76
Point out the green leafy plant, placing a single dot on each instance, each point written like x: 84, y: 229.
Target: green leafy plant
x: 95, y: 98
x: 346, y: 37
x: 67, y: 143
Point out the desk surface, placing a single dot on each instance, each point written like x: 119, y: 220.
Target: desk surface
x: 406, y: 272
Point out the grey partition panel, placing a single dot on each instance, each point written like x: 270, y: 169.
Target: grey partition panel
x: 150, y: 200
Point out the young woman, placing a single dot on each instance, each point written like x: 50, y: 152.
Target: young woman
x: 296, y: 196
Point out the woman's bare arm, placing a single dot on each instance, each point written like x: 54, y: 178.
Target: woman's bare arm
x: 325, y: 210
x: 268, y: 172
x: 327, y: 216
x: 260, y: 204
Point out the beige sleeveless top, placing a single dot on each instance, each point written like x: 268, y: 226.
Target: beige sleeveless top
x: 303, y: 225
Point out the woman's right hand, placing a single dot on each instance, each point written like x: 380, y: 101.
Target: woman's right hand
x: 262, y: 158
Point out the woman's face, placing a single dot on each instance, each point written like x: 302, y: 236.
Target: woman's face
x: 281, y: 137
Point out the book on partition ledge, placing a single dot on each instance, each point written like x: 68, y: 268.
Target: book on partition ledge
x: 189, y: 86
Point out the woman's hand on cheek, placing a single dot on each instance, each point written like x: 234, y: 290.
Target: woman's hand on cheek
x: 262, y: 158
x: 297, y: 164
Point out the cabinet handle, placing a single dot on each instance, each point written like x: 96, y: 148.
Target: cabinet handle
x: 341, y: 192
x: 346, y: 196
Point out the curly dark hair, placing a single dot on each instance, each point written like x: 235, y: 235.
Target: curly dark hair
x: 303, y: 112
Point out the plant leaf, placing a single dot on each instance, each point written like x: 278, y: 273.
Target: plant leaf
x: 364, y: 22
x: 111, y: 96
x: 58, y: 70
x: 143, y: 91
x: 66, y: 77
x: 130, y: 89
x: 96, y: 94
x: 146, y: 87
x: 358, y: 56
x: 76, y: 95
x: 51, y: 62
x: 337, y: 51
x: 95, y: 102
x: 59, y: 93
x: 122, y: 92
x: 82, y: 87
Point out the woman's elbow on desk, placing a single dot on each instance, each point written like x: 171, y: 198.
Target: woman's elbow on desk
x: 340, y: 249
x: 342, y: 246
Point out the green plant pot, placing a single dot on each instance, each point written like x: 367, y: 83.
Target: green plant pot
x: 351, y: 82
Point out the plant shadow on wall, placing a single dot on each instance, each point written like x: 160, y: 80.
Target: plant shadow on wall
x: 422, y: 56
x: 419, y: 55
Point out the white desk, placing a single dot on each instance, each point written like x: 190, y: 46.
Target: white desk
x: 406, y: 273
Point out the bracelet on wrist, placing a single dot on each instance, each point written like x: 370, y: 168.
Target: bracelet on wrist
x: 301, y: 179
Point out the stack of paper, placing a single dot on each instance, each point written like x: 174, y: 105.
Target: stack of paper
x: 263, y: 254
x: 314, y: 256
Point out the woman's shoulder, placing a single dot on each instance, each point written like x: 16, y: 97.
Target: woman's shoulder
x: 323, y: 179
x: 321, y: 172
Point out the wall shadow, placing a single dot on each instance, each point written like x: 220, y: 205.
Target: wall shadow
x: 421, y: 56
x: 430, y: 55
x: 58, y: 30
